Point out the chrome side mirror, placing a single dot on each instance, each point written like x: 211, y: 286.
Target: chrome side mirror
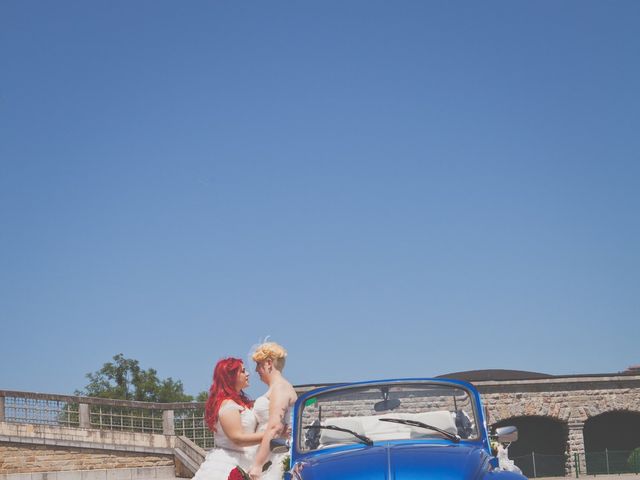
x: 279, y: 445
x: 507, y: 434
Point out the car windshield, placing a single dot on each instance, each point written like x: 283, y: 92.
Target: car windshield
x: 394, y: 411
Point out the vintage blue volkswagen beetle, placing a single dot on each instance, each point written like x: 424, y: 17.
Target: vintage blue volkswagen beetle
x: 394, y: 430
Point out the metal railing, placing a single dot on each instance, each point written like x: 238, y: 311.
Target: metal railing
x: 190, y: 423
x: 610, y: 462
x: 108, y: 417
x: 535, y: 465
x: 185, y: 418
x: 39, y: 410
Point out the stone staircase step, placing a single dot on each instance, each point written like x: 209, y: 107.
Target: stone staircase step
x: 140, y: 473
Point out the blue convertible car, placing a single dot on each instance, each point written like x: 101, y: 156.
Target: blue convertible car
x: 394, y: 430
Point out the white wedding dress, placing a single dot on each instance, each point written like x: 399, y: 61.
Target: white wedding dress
x: 226, y: 455
x: 261, y: 411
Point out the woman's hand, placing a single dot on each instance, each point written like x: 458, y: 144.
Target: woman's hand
x: 255, y: 472
x: 286, y: 432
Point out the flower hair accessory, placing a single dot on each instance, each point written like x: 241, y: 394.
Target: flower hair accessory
x: 255, y: 347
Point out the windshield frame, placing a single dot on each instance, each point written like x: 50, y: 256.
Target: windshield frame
x: 299, y: 449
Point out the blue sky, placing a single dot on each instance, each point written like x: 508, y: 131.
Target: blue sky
x: 386, y: 188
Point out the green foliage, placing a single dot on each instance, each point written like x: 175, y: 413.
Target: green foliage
x: 202, y: 397
x: 286, y: 464
x: 634, y: 460
x: 124, y: 379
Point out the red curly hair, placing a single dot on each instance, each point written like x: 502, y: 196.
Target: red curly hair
x: 223, y: 388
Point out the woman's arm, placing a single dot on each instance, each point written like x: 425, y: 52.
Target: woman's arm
x: 278, y: 406
x: 232, y: 426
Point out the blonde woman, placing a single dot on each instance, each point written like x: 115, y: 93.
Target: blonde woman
x: 273, y: 409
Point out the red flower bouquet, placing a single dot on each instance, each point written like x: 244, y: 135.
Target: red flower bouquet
x: 238, y: 474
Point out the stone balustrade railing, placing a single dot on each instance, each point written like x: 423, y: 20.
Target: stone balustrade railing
x: 184, y: 418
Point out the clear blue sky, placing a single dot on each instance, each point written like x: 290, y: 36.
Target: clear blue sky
x: 387, y: 188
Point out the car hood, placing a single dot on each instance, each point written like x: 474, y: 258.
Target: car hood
x: 399, y: 462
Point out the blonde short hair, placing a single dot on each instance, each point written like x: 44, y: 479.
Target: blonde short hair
x: 270, y: 351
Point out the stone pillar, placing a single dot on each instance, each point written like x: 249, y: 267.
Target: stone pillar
x: 1, y: 409
x: 168, y: 427
x: 85, y: 419
x: 575, y: 446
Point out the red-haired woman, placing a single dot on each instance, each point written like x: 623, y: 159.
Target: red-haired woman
x: 228, y: 414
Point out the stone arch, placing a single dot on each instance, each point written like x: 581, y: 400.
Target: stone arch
x: 542, y: 437
x: 609, y: 437
x: 504, y: 406
x: 612, y: 404
x: 612, y: 430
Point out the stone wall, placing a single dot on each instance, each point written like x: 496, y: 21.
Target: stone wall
x: 85, y: 438
x: 41, y: 448
x: 570, y: 401
x: 564, y: 406
x: 20, y: 458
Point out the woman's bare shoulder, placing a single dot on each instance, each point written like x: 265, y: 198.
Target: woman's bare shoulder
x: 229, y: 404
x: 286, y: 389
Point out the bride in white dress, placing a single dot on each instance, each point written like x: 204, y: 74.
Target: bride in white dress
x: 228, y: 413
x: 272, y: 410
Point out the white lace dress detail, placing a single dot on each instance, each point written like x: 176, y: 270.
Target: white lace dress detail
x: 226, y: 455
x: 261, y: 411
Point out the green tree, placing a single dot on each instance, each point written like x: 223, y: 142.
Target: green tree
x: 124, y: 379
x: 202, y: 396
